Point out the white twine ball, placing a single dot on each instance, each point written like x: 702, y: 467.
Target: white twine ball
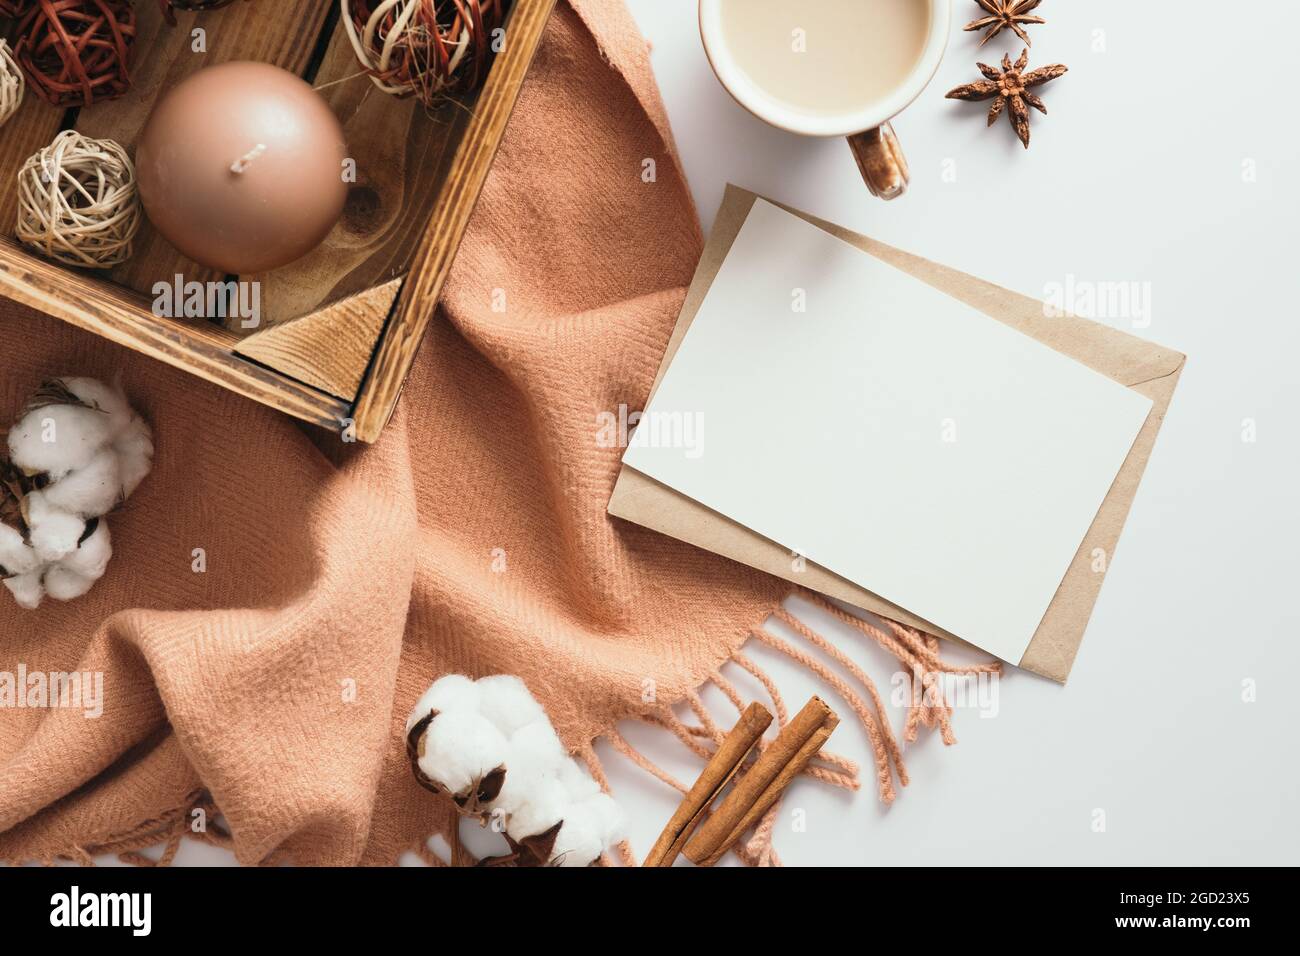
x: 12, y: 83
x: 77, y: 202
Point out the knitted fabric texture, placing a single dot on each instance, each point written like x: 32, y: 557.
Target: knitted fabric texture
x: 278, y: 600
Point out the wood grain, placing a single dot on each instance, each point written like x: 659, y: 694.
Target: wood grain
x: 32, y: 127
x: 433, y: 256
x: 402, y: 154
x: 126, y: 317
x: 330, y: 348
x: 420, y: 178
x: 164, y: 57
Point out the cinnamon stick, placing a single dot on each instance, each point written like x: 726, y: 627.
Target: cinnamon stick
x: 717, y: 773
x: 760, y: 788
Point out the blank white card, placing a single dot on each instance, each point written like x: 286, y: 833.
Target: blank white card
x: 887, y: 432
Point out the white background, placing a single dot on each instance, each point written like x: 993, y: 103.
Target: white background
x: 1136, y: 175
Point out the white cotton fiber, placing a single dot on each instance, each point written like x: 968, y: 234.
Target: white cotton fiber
x: 590, y: 828
x: 90, y: 491
x: 607, y: 818
x: 16, y: 556
x: 105, y: 398
x: 63, y: 584
x: 535, y: 754
x: 91, y: 558
x: 455, y: 692
x: 134, y: 447
x: 505, y: 700
x: 54, y: 532
x: 74, y: 459
x: 542, y: 811
x: 541, y: 744
x: 578, y: 842
x: 131, y: 437
x: 27, y: 590
x: 57, y: 439
x: 578, y: 783
x: 460, y: 748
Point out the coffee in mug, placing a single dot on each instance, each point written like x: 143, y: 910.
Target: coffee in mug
x: 830, y: 68
x: 826, y: 57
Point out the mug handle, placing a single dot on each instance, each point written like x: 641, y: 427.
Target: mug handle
x: 881, y: 161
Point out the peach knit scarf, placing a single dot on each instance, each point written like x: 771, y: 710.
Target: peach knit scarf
x: 278, y: 600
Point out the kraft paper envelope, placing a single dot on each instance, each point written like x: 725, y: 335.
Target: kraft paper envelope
x: 1148, y: 369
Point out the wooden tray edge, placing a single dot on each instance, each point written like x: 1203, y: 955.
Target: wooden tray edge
x: 126, y: 318
x: 433, y: 256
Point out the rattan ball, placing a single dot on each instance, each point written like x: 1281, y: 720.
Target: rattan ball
x: 423, y: 48
x: 12, y: 84
x: 169, y: 7
x: 77, y: 52
x: 77, y: 202
x: 14, y: 8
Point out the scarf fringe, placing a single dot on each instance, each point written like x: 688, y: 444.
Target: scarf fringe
x: 918, y: 653
x: 167, y: 831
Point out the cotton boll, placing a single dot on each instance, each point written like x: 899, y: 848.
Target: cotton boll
x: 54, y: 532
x: 578, y: 783
x: 455, y: 692
x: 91, y: 558
x: 106, y: 398
x: 578, y: 842
x: 535, y: 754
x: 90, y: 491
x: 77, y: 453
x: 63, y: 584
x: 131, y: 437
x: 27, y: 589
x: 16, y: 556
x: 544, y: 808
x: 607, y: 818
x: 77, y: 573
x: 460, y: 748
x: 541, y: 745
x: 505, y: 700
x: 590, y: 828
x: 57, y: 439
x: 134, y: 447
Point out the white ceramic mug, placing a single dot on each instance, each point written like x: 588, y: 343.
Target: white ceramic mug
x: 868, y: 130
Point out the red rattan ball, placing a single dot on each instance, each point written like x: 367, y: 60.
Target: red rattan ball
x: 426, y: 57
x: 14, y: 8
x: 169, y: 7
x: 77, y: 52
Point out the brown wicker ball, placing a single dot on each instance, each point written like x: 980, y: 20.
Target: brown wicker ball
x: 77, y: 52
x: 14, y: 8
x: 169, y: 7
x: 423, y: 48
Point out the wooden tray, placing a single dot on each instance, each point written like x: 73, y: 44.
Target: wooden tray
x: 340, y: 328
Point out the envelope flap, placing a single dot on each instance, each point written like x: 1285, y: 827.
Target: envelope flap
x: 1125, y: 358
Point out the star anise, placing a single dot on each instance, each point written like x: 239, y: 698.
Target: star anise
x: 1011, y: 87
x: 1004, y: 15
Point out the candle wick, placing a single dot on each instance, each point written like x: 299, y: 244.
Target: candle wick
x: 241, y: 164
